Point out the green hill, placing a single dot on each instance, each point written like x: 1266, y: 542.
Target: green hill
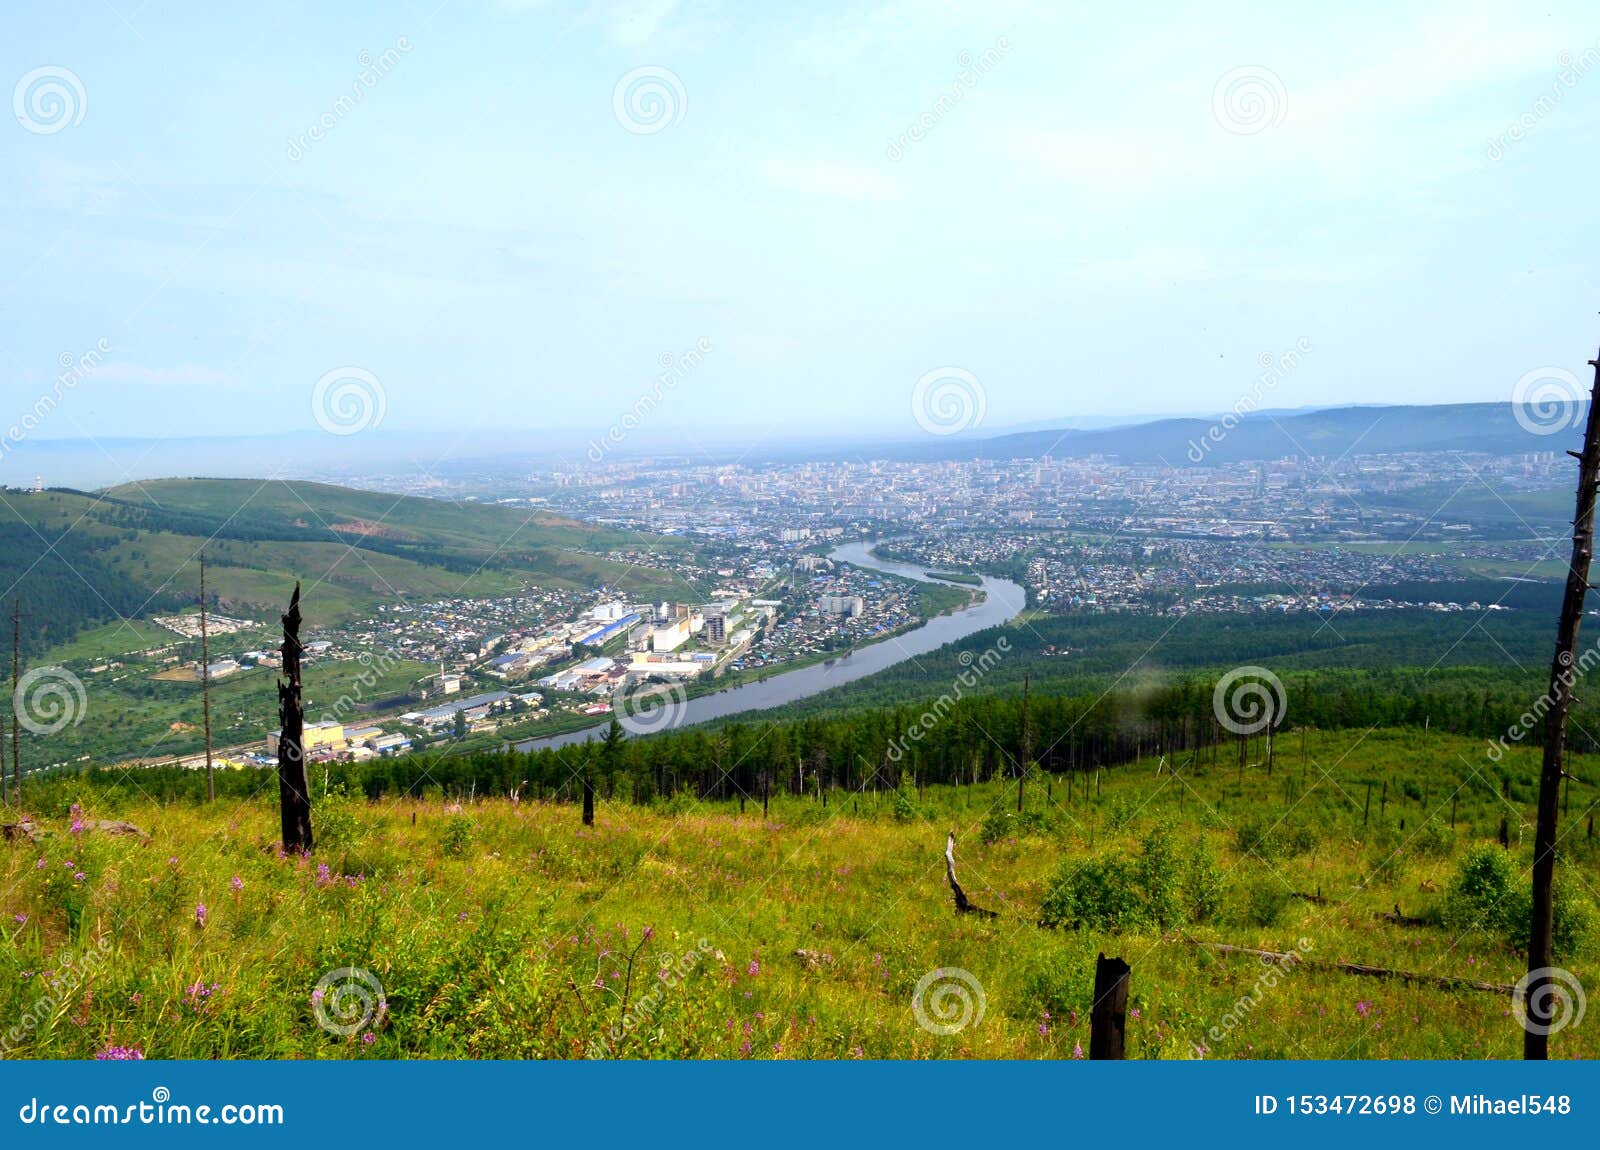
x: 78, y: 559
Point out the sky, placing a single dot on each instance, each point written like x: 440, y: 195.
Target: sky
x: 892, y: 219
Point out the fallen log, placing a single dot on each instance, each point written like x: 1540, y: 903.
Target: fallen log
x: 1443, y: 981
x: 963, y: 904
x: 1400, y: 918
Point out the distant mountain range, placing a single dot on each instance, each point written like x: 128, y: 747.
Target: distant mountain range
x: 1489, y: 428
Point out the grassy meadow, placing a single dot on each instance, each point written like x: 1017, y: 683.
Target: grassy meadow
x: 492, y: 929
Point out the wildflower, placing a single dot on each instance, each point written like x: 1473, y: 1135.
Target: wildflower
x: 135, y: 999
x: 39, y: 865
x: 173, y: 861
x: 369, y: 1038
x: 20, y: 919
x: 317, y: 996
x: 1134, y: 1014
x: 1362, y: 1008
x: 1077, y: 1050
x: 120, y: 1054
x: 79, y: 877
x: 236, y: 883
x: 754, y: 970
x: 324, y: 874
x: 200, y: 914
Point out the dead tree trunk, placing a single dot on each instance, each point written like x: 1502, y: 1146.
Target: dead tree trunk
x: 1108, y: 1018
x: 294, y: 793
x: 1540, y: 1002
x: 588, y: 798
x: 205, y: 681
x: 963, y: 905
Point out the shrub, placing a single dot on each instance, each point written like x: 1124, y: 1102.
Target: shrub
x: 1102, y: 894
x: 334, y: 819
x: 1486, y: 895
x: 1158, y: 888
x: 1202, y: 885
x: 1003, y: 823
x: 1264, y: 902
x: 1433, y: 840
x: 905, y: 807
x: 457, y: 836
x: 1271, y: 840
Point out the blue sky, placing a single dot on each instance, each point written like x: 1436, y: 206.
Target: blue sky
x: 1086, y: 229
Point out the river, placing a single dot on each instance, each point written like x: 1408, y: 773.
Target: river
x: 1002, y: 601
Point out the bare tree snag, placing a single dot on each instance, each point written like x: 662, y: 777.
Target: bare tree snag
x: 1536, y: 1029
x: 963, y: 904
x: 294, y: 793
x: 1108, y: 1018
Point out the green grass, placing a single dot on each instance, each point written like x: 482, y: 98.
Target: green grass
x: 510, y: 930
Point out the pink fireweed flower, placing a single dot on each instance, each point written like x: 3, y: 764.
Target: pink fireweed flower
x: 120, y: 1054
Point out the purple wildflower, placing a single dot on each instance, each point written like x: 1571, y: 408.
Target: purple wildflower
x: 200, y: 914
x: 120, y: 1054
x: 236, y: 883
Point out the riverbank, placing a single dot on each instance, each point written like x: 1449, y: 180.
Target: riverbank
x: 996, y: 601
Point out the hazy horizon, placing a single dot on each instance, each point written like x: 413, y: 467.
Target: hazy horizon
x: 851, y: 224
